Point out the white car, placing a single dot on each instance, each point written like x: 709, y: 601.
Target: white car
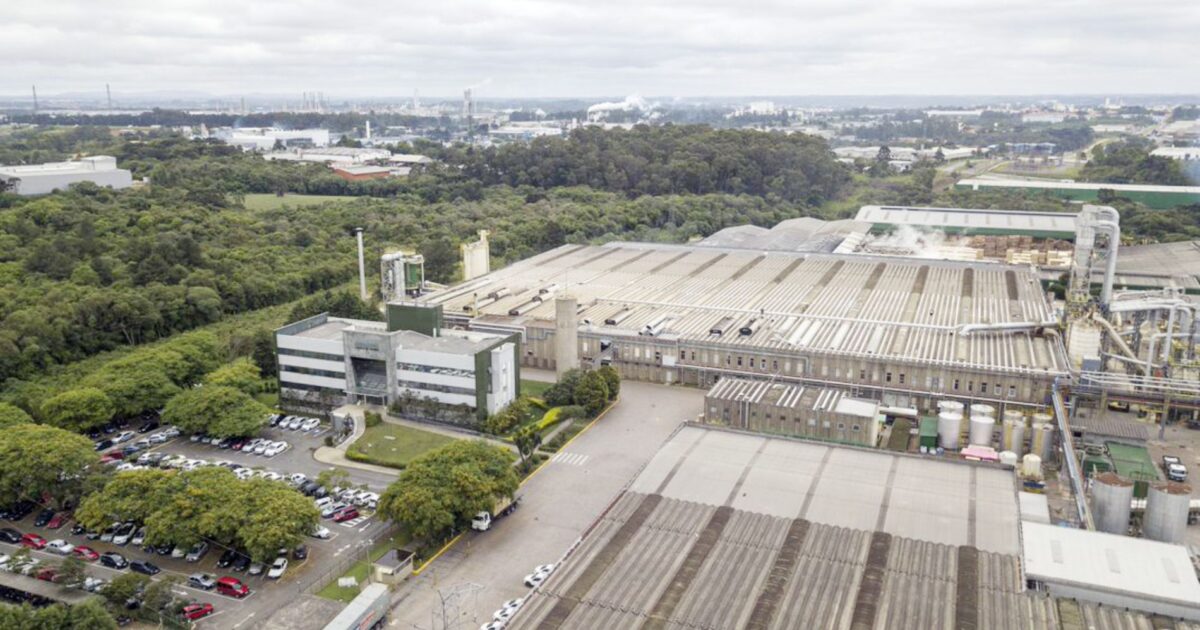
x: 310, y: 424
x: 255, y: 569
x: 93, y: 585
x: 492, y: 625
x: 158, y: 438
x: 243, y: 473
x: 322, y: 502
x: 328, y: 510
x: 535, y: 579
x: 295, y: 423
x: 170, y: 432
x: 4, y: 558
x: 179, y: 551
x: 297, y: 479
x: 124, y: 436
x: 508, y: 610
x: 60, y: 547
x: 275, y: 449
x: 320, y: 532
x: 261, y: 447
x: 249, y: 446
x: 277, y: 568
x: 273, y: 476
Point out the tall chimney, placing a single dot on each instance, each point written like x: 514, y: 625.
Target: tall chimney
x: 362, y: 267
x: 566, y: 333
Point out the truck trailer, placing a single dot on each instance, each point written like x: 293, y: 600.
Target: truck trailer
x: 503, y: 507
x: 368, y: 611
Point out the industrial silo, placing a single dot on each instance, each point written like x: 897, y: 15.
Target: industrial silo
x: 951, y: 406
x: 980, y: 409
x: 949, y: 429
x: 982, y: 428
x: 1014, y: 435
x: 1031, y: 466
x: 1111, y: 499
x: 1167, y: 511
x: 1043, y: 418
x: 1008, y: 458
x: 1042, y: 441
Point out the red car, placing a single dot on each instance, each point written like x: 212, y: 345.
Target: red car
x: 192, y: 612
x: 112, y: 457
x: 49, y: 574
x: 86, y: 553
x: 345, y: 514
x: 33, y: 541
x: 59, y: 520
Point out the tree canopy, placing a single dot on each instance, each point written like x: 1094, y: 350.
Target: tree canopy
x: 78, y: 409
x: 241, y: 374
x: 443, y: 489
x: 217, y: 410
x: 38, y: 460
x: 11, y: 414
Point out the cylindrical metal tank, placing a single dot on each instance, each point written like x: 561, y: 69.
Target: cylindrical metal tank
x: 980, y: 409
x: 982, y: 428
x: 1043, y: 418
x: 1031, y: 467
x: 1014, y: 435
x: 1042, y: 441
x: 949, y: 429
x: 952, y: 406
x: 1111, y: 499
x: 1008, y: 458
x: 1167, y: 511
x: 1014, y: 415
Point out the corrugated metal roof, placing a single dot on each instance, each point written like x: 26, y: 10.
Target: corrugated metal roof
x: 965, y: 218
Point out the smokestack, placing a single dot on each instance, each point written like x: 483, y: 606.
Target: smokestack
x: 368, y: 130
x: 35, y: 103
x: 362, y: 267
x: 566, y: 333
x: 108, y: 91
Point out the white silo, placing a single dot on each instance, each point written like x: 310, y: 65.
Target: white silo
x: 1008, y: 458
x: 1112, y: 497
x: 980, y: 409
x: 949, y: 429
x: 1031, y: 467
x: 982, y: 429
x: 1043, y: 418
x: 1014, y: 435
x: 951, y: 406
x: 1014, y: 414
x: 1042, y: 441
x: 1167, y: 511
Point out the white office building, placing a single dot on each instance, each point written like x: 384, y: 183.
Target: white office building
x: 39, y: 179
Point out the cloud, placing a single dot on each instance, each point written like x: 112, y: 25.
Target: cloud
x: 569, y: 48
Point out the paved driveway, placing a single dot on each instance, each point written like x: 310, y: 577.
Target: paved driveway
x: 484, y: 570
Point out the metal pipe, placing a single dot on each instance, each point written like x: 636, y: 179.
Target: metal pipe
x: 1110, y: 270
x: 966, y: 329
x: 362, y: 267
x: 1166, y: 347
x: 1060, y: 410
x: 1116, y: 337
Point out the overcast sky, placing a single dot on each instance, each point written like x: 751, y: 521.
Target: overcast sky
x: 544, y: 48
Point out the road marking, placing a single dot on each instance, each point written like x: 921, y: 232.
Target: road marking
x: 354, y: 522
x: 574, y: 459
x: 248, y: 618
x: 340, y: 550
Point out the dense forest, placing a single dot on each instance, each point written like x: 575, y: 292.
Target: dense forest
x: 1129, y: 162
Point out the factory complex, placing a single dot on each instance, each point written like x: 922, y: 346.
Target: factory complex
x: 40, y: 179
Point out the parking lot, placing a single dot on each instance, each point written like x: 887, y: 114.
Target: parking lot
x: 483, y: 570
x: 346, y: 539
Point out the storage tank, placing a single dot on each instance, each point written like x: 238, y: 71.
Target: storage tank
x: 1014, y: 435
x: 949, y: 429
x: 1043, y: 418
x: 952, y: 406
x: 982, y: 428
x: 1008, y: 458
x: 1014, y: 415
x: 1031, y: 467
x: 980, y: 409
x: 1167, y: 511
x: 1111, y: 499
x: 1042, y: 441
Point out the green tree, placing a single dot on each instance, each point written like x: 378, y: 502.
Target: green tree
x: 276, y: 517
x: 443, y: 489
x: 331, y: 478
x: 241, y: 374
x: 11, y: 414
x: 37, y: 460
x: 71, y: 571
x: 133, y: 495
x: 133, y: 390
x: 78, y: 409
x: 124, y: 587
x: 527, y: 439
x: 263, y: 353
x: 562, y: 392
x: 612, y: 378
x: 90, y: 615
x: 217, y: 410
x: 159, y: 594
x: 592, y: 392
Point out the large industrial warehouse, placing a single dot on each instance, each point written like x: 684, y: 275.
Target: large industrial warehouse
x: 905, y: 331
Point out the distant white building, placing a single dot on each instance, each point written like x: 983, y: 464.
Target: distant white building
x: 517, y: 131
x: 264, y: 139
x: 1186, y: 154
x: 39, y: 179
x: 1043, y: 117
x: 327, y: 155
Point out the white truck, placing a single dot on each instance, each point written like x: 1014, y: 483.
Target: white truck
x: 504, y: 506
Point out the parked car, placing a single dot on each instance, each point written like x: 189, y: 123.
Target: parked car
x: 124, y: 436
x: 300, y: 552
x: 123, y: 534
x: 227, y: 558
x: 192, y: 612
x: 256, y: 568
x: 104, y: 444
x: 47, y: 574
x: 278, y: 568
x: 310, y: 424
x: 507, y: 610
x: 232, y: 587
x: 60, y: 547
x: 241, y: 563
x: 144, y: 567
x: 346, y: 515
x: 113, y: 560
x: 333, y: 508
x: 178, y: 551
x: 158, y: 438
x: 10, y: 535
x: 86, y: 554
x: 273, y: 419
x: 320, y: 532
x: 139, y: 536
x: 148, y: 426
x: 202, y: 581
x: 197, y: 552
x: 33, y: 541
x: 170, y: 432
x: 43, y: 517
x: 58, y: 520
x: 93, y: 585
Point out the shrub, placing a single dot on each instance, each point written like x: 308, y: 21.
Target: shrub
x: 373, y: 419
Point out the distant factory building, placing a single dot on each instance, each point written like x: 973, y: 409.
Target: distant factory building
x: 265, y: 139
x: 1185, y: 154
x: 327, y: 155
x: 818, y: 413
x: 362, y: 172
x: 39, y: 179
x: 1157, y: 197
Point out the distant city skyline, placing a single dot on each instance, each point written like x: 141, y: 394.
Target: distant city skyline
x: 560, y: 49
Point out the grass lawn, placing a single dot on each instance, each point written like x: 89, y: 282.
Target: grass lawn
x: 396, y: 445
x: 534, y: 388
x: 268, y: 201
x: 360, y: 569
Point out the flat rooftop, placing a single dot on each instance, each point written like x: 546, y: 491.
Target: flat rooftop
x: 964, y: 219
x: 1107, y: 562
x: 733, y: 530
x: 1051, y: 184
x: 332, y: 328
x: 871, y: 306
x: 452, y: 341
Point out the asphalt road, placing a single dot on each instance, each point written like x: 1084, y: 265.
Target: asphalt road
x: 562, y: 500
